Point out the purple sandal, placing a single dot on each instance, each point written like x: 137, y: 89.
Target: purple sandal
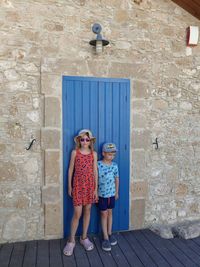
x: 87, y: 244
x: 69, y: 248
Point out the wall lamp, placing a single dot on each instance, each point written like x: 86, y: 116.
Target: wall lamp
x: 192, y: 35
x: 99, y: 42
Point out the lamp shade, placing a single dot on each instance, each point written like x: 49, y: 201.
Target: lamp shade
x: 192, y: 35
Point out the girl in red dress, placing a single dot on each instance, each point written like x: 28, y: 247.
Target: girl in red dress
x: 83, y: 187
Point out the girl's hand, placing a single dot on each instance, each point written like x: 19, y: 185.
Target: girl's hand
x: 116, y: 196
x: 70, y: 191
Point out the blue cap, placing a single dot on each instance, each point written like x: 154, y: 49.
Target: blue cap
x: 109, y: 147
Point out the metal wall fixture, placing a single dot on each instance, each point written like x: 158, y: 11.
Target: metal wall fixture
x: 31, y: 143
x: 99, y: 42
x: 156, y: 143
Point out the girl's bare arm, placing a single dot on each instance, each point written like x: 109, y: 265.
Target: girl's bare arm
x: 95, y: 174
x: 70, y: 172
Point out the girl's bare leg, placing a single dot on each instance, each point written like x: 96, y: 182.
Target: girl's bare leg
x: 75, y: 222
x: 86, y: 219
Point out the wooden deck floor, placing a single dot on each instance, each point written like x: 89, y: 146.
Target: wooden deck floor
x: 135, y: 248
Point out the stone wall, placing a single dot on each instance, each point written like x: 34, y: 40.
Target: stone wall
x: 43, y: 40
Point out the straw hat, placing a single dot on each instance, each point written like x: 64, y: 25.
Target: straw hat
x: 83, y: 132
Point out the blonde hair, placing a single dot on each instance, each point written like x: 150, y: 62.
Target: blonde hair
x: 78, y: 143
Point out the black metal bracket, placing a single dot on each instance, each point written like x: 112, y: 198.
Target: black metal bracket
x: 31, y: 143
x: 156, y: 143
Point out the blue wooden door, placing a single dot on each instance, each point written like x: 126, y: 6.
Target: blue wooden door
x: 103, y: 106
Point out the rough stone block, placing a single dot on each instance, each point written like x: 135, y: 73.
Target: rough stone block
x: 51, y: 194
x: 141, y: 139
x: 31, y: 166
x: 186, y: 105
x: 52, y: 167
x: 50, y: 139
x: 138, y: 121
x: 138, y: 164
x: 121, y: 16
x: 53, y: 219
x: 2, y: 149
x: 139, y: 189
x: 51, y: 84
x: 52, y: 112
x: 181, y: 190
x: 137, y: 213
x: 139, y: 104
x: 14, y: 228
x: 95, y: 70
x: 187, y: 229
x: 8, y: 171
x: 165, y: 231
x: 62, y: 65
x: 160, y: 104
x: 140, y: 89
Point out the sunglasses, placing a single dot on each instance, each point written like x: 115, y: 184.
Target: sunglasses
x: 85, y: 139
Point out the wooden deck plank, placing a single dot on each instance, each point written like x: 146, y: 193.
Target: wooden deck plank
x: 67, y: 261
x: 5, y: 254
x: 43, y: 253
x: 80, y: 255
x: 55, y: 258
x: 159, y: 243
x: 139, y: 250
x: 179, y: 254
x: 93, y: 256
x: 186, y: 251
x: 30, y: 254
x: 106, y: 257
x: 192, y: 245
x: 17, y: 254
x: 197, y: 240
x: 129, y: 253
x: 151, y: 250
x: 118, y: 255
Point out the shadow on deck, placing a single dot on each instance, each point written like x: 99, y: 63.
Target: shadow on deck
x: 135, y: 248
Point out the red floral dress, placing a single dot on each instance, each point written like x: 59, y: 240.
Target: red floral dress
x: 84, y: 180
